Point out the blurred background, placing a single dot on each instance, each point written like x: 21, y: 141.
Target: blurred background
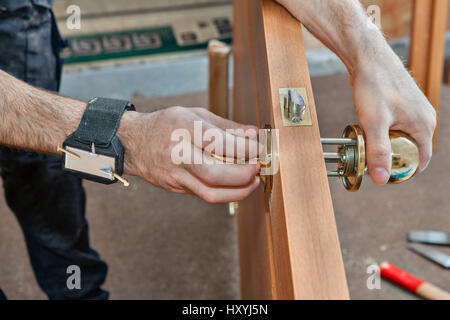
x: 160, y: 245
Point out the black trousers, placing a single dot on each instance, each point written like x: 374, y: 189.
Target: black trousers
x: 48, y: 203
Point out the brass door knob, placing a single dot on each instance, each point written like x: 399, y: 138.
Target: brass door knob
x: 351, y: 157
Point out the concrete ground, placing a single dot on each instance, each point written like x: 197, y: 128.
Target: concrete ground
x: 160, y: 245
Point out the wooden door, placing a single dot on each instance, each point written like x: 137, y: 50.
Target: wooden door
x: 289, y: 247
x: 427, y: 51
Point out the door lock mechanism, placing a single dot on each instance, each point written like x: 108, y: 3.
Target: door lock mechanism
x: 350, y: 157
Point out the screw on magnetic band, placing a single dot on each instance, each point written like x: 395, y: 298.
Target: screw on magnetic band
x: 69, y: 153
x: 111, y: 173
x: 95, y: 145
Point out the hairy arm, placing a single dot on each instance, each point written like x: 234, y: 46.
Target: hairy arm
x: 342, y: 26
x: 33, y: 119
x: 385, y: 95
x: 36, y: 120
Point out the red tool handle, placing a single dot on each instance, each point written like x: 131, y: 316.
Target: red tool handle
x: 403, y: 278
x: 416, y: 285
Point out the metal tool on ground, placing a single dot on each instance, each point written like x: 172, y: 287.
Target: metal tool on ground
x: 418, y: 237
x: 429, y: 237
x: 420, y: 287
x: 351, y: 157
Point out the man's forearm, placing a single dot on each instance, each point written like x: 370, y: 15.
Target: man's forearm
x: 343, y: 26
x: 33, y: 119
x: 37, y: 120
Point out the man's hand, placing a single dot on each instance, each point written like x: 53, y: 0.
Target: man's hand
x: 385, y: 95
x: 37, y: 120
x: 387, y: 98
x: 148, y: 142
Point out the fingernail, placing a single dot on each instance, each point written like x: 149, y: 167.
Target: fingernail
x: 380, y: 175
x: 423, y: 168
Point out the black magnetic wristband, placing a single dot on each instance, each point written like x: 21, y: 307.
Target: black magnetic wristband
x: 94, y: 151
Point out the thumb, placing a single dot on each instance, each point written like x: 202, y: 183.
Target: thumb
x: 378, y: 151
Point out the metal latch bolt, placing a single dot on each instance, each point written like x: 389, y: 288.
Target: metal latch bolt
x: 350, y: 158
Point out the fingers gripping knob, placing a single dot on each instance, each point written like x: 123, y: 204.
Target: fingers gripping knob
x: 405, y: 157
x: 351, y: 157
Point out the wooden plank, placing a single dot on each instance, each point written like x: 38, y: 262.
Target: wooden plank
x: 256, y: 253
x: 219, y: 53
x: 448, y: 71
x: 436, y: 57
x: 420, y: 39
x: 428, y: 49
x: 289, y: 242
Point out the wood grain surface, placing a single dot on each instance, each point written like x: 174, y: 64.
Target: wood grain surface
x: 289, y: 242
x: 219, y: 54
x: 428, y: 49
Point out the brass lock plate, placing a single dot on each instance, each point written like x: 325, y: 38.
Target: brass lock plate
x: 294, y: 107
